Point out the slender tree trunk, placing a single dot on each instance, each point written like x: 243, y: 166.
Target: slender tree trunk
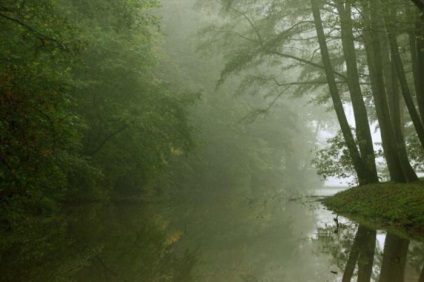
x: 366, y: 257
x: 400, y: 70
x: 395, y: 75
x: 419, y: 36
x: 395, y: 101
x: 375, y: 66
x: 396, y: 105
x: 416, y: 41
x: 392, y: 89
x: 359, y: 165
x: 363, y: 132
x: 361, y: 252
x: 413, y: 50
x: 394, y: 259
x: 353, y: 258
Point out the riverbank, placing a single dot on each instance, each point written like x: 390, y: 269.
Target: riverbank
x: 398, y: 208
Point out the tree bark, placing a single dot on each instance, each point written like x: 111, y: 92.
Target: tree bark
x: 412, y: 39
x: 419, y: 35
x: 375, y: 66
x: 416, y: 43
x: 395, y: 76
x: 400, y: 71
x: 363, y: 131
x: 359, y: 165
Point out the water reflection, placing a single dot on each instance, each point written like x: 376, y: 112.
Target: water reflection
x: 95, y: 243
x: 363, y: 254
x: 394, y: 259
x: 251, y: 240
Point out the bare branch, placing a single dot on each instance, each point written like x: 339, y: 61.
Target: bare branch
x: 239, y: 35
x: 261, y: 111
x: 110, y: 136
x: 258, y: 34
x: 306, y: 62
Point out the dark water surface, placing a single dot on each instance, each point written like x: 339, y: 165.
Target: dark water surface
x: 269, y: 238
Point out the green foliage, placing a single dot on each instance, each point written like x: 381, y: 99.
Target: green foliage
x: 35, y: 27
x: 39, y: 133
x: 271, y: 46
x: 113, y: 88
x: 259, y: 43
x: 415, y: 151
x: 334, y: 160
x: 83, y: 111
x: 133, y: 119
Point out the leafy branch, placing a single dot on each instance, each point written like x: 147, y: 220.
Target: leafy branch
x: 42, y: 37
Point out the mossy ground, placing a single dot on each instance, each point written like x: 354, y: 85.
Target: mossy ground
x: 396, y: 207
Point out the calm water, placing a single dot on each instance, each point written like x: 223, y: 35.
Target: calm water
x: 267, y: 238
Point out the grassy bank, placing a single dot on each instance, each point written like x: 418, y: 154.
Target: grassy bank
x: 398, y: 208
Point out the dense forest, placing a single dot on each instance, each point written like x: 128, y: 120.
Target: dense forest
x: 96, y: 106
x: 84, y: 116
x: 190, y: 110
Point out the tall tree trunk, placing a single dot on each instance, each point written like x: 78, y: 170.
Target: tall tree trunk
x: 400, y: 70
x: 363, y: 132
x: 411, y: 13
x: 375, y: 66
x: 359, y: 165
x: 416, y: 40
x: 419, y: 36
x: 396, y: 104
x: 394, y: 259
x: 395, y: 75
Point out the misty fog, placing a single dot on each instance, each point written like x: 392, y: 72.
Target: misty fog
x: 192, y: 140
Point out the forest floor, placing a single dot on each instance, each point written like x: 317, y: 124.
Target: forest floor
x: 395, y: 207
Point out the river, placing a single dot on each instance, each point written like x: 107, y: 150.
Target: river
x: 275, y: 237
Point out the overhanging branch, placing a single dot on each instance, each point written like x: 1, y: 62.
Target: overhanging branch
x: 38, y: 34
x: 307, y: 63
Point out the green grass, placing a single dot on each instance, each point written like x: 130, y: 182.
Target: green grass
x: 396, y: 207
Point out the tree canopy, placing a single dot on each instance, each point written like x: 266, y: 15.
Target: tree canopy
x: 333, y: 49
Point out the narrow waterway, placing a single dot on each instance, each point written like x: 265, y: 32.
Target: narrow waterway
x: 274, y: 237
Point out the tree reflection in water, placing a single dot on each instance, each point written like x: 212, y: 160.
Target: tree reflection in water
x: 133, y: 242
x: 394, y: 259
x: 357, y: 253
x: 130, y: 242
x: 362, y: 253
